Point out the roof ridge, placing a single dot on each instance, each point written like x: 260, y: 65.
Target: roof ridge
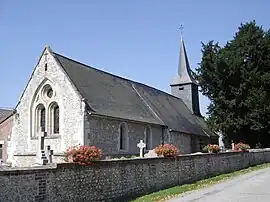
x: 6, y: 108
x: 111, y: 74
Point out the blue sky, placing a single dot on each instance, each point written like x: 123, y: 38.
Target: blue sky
x: 138, y: 39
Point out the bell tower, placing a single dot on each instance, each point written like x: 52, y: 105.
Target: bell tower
x: 183, y: 85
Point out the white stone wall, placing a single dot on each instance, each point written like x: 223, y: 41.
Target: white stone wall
x: 70, y: 105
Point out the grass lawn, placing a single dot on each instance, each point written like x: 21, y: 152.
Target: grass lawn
x: 178, y: 190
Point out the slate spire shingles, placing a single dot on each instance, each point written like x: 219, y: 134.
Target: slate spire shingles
x: 184, y: 72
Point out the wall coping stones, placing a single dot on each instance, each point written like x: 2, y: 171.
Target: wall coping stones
x: 110, y: 162
x: 118, y: 180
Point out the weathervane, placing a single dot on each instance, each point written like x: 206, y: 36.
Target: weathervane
x: 181, y: 30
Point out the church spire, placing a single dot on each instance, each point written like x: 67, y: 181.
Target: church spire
x: 183, y: 85
x: 184, y: 72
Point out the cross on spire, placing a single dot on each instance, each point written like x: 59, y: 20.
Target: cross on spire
x: 181, y: 31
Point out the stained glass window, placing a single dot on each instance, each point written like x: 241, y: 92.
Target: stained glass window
x: 56, y: 119
x: 49, y: 92
x: 42, y: 119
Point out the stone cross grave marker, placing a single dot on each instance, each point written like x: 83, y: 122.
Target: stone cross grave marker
x: 42, y: 159
x: 141, y: 146
x: 49, y: 153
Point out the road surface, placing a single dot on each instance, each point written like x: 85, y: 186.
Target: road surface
x: 251, y: 187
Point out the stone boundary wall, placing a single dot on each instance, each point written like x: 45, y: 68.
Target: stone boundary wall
x: 118, y: 180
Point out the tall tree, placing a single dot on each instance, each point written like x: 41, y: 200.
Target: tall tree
x: 236, y: 79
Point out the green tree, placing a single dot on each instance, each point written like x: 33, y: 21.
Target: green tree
x: 236, y: 79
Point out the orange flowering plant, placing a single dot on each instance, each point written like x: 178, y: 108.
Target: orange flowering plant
x: 241, y: 147
x: 213, y: 148
x: 83, y: 155
x: 166, y: 150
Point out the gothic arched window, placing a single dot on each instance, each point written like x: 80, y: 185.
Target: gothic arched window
x: 40, y: 118
x: 147, y: 137
x: 56, y: 119
x: 123, y: 133
x: 44, y: 110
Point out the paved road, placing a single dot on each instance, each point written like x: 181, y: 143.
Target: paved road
x: 251, y: 187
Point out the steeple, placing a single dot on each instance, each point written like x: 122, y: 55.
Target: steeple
x: 183, y: 85
x: 184, y: 73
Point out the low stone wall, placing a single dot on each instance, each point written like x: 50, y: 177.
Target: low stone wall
x: 118, y: 180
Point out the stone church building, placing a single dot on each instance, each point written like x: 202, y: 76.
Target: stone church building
x: 77, y: 104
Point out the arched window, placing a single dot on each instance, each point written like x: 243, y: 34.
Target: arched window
x: 44, y: 110
x: 123, y: 133
x: 40, y: 118
x: 147, y: 138
x: 54, y: 118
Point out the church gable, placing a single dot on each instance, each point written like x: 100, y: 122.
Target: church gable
x: 50, y: 103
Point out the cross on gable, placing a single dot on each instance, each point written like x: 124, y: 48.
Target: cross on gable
x: 45, y: 60
x: 45, y: 56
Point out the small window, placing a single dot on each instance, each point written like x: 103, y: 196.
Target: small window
x: 147, y: 137
x: 181, y: 88
x: 50, y: 93
x: 47, y: 91
x: 123, y: 136
x: 1, y: 151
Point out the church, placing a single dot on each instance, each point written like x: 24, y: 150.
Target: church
x: 71, y: 103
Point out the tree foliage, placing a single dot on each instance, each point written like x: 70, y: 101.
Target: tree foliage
x: 236, y: 79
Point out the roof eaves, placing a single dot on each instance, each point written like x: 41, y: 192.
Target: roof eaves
x: 119, y: 118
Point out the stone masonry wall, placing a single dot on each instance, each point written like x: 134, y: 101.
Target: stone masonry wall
x: 103, y: 132
x: 5, y: 132
x: 181, y: 141
x: 71, y: 129
x: 118, y: 180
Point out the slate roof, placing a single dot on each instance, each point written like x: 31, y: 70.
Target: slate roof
x: 184, y: 72
x: 5, y: 113
x: 111, y: 95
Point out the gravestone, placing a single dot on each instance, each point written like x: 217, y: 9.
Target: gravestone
x: 41, y: 156
x: 49, y: 153
x: 233, y: 146
x: 151, y: 154
x: 141, y: 146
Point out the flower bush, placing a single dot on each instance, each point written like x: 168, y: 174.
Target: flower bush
x: 83, y: 155
x: 166, y: 150
x: 241, y: 147
x: 205, y: 149
x: 213, y: 148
